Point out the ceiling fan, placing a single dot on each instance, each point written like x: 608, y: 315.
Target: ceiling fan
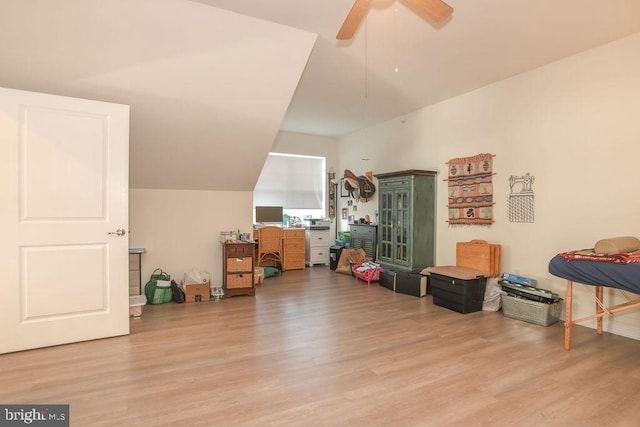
x: 435, y: 9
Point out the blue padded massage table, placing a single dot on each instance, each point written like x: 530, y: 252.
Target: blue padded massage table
x: 619, y: 271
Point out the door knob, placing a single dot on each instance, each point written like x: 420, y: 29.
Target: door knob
x: 118, y: 232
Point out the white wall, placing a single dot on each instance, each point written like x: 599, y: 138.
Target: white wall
x: 573, y: 124
x: 180, y: 229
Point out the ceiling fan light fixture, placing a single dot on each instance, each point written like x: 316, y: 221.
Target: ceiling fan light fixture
x: 437, y: 10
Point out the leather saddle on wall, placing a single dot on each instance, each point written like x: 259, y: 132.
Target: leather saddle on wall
x: 359, y: 187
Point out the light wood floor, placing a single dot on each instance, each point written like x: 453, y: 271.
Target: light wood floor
x: 316, y: 348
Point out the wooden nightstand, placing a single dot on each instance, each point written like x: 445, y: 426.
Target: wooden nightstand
x: 237, y: 264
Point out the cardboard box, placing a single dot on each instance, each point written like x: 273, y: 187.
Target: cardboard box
x: 461, y: 295
x: 197, y: 292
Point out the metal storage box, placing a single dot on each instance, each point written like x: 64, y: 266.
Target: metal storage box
x: 540, y: 313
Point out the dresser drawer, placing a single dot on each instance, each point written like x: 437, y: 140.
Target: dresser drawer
x: 293, y: 245
x: 319, y: 255
x: 242, y: 280
x: 294, y: 233
x: 319, y: 239
x: 236, y: 264
x: 365, y: 231
x: 402, y: 183
x: 239, y: 250
x: 294, y: 261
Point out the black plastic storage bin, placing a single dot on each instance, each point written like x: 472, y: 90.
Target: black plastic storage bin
x: 334, y: 256
x: 388, y: 279
x: 463, y: 296
x: 413, y: 284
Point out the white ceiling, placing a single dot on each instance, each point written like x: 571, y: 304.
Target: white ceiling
x: 483, y: 42
x: 210, y: 85
x: 208, y: 88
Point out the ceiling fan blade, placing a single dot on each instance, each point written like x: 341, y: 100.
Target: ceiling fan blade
x: 353, y: 19
x: 435, y: 9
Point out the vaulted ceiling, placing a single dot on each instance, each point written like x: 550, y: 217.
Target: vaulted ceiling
x: 208, y: 88
x: 484, y: 41
x: 211, y: 82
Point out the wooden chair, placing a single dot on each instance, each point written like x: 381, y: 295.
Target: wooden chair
x: 270, y: 245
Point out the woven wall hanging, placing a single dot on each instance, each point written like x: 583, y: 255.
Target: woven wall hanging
x: 471, y: 190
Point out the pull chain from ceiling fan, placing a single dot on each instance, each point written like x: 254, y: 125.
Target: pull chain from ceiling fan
x: 365, y: 156
x: 397, y: 39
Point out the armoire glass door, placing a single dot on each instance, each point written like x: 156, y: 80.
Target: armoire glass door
x: 402, y: 205
x: 387, y: 239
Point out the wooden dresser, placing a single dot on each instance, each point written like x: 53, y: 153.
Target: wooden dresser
x: 294, y: 249
x: 238, y: 259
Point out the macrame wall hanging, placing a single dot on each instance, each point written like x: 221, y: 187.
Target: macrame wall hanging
x: 471, y: 190
x: 521, y: 198
x: 331, y: 185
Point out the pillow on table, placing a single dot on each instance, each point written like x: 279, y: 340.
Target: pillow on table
x: 617, y: 245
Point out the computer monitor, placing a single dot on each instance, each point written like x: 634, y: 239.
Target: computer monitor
x: 269, y: 214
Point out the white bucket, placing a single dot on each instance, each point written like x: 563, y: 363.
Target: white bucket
x: 136, y: 303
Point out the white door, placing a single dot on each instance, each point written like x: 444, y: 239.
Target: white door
x: 64, y: 166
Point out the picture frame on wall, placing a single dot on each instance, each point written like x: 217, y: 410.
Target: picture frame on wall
x: 343, y: 191
x: 344, y: 213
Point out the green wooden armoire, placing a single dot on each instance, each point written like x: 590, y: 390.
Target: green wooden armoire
x: 406, y: 226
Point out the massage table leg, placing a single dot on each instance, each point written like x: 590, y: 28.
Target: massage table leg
x: 567, y: 316
x: 599, y: 302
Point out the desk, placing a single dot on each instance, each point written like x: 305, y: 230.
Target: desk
x: 293, y: 248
